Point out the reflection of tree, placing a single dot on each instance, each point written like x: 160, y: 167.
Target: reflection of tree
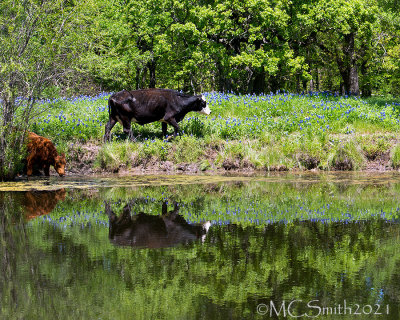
x: 307, y: 260
x: 21, y: 277
x: 13, y: 247
x: 51, y: 272
x: 152, y: 231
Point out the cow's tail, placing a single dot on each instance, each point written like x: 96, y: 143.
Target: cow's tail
x: 109, y: 125
x: 109, y: 107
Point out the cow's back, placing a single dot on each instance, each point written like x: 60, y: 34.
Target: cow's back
x: 151, y: 98
x: 146, y: 105
x: 42, y: 147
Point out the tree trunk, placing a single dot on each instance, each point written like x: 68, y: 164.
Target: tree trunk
x: 348, y: 66
x: 273, y: 84
x: 4, y: 139
x: 152, y: 73
x: 366, y: 90
x: 354, y: 86
x: 223, y: 83
x: 258, y: 82
x: 312, y: 85
x: 305, y: 85
x: 298, y: 83
x: 317, y: 79
x: 137, y: 78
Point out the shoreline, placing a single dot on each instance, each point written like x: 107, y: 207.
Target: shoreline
x: 86, y: 166
x: 84, y: 159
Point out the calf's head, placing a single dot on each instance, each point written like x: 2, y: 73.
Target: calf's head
x: 59, y: 164
x: 202, y: 106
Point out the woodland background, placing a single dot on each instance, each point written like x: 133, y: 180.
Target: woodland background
x: 246, y: 46
x: 59, y: 48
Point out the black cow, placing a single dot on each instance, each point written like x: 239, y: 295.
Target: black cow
x: 149, y: 105
x: 150, y: 231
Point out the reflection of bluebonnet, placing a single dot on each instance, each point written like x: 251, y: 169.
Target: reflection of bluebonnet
x: 84, y: 219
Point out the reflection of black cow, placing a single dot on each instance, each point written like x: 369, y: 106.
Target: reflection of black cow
x: 143, y: 230
x: 149, y: 105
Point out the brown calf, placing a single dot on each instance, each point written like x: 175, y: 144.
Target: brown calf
x: 43, y: 154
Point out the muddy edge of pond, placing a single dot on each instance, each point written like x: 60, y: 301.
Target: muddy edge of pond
x: 84, y: 164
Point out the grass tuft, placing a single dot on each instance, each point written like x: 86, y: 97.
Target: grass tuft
x: 395, y: 156
x: 346, y: 156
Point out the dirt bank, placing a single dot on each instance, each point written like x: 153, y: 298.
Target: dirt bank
x: 82, y: 161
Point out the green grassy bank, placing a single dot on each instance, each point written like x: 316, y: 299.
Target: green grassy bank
x: 244, y: 132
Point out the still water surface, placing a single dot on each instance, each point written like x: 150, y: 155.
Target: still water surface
x: 176, y: 247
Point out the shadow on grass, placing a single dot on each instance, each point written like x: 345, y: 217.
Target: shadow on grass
x: 382, y: 101
x: 140, y: 133
x: 153, y: 130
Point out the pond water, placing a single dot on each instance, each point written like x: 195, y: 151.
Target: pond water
x: 178, y: 247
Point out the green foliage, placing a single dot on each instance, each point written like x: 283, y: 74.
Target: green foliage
x: 153, y: 148
x: 40, y: 42
x: 114, y: 155
x: 375, y: 145
x: 247, y: 46
x: 80, y: 118
x: 186, y: 149
x: 13, y: 151
x: 50, y: 48
x: 395, y: 156
x: 273, y: 132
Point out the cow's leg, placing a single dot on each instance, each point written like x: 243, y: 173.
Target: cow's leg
x: 164, y: 209
x: 110, y: 124
x: 175, y: 212
x: 173, y: 123
x: 128, y: 131
x: 46, y: 169
x: 111, y: 219
x: 109, y: 212
x: 29, y: 166
x: 164, y: 129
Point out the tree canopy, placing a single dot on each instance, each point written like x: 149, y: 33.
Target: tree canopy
x: 245, y: 46
x: 224, y: 45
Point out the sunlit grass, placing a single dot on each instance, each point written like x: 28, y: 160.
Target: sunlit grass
x: 296, y: 131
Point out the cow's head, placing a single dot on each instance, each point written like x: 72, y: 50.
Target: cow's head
x: 202, y: 106
x: 59, y: 164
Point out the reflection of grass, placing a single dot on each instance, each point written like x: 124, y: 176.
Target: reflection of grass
x: 243, y: 203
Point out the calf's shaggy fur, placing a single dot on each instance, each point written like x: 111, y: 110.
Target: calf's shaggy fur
x: 42, y: 154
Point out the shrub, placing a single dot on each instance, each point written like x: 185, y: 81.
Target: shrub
x: 374, y: 147
x: 204, y: 165
x: 12, y: 152
x: 152, y: 148
x: 186, y: 149
x: 274, y: 159
x: 114, y: 155
x: 345, y: 156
